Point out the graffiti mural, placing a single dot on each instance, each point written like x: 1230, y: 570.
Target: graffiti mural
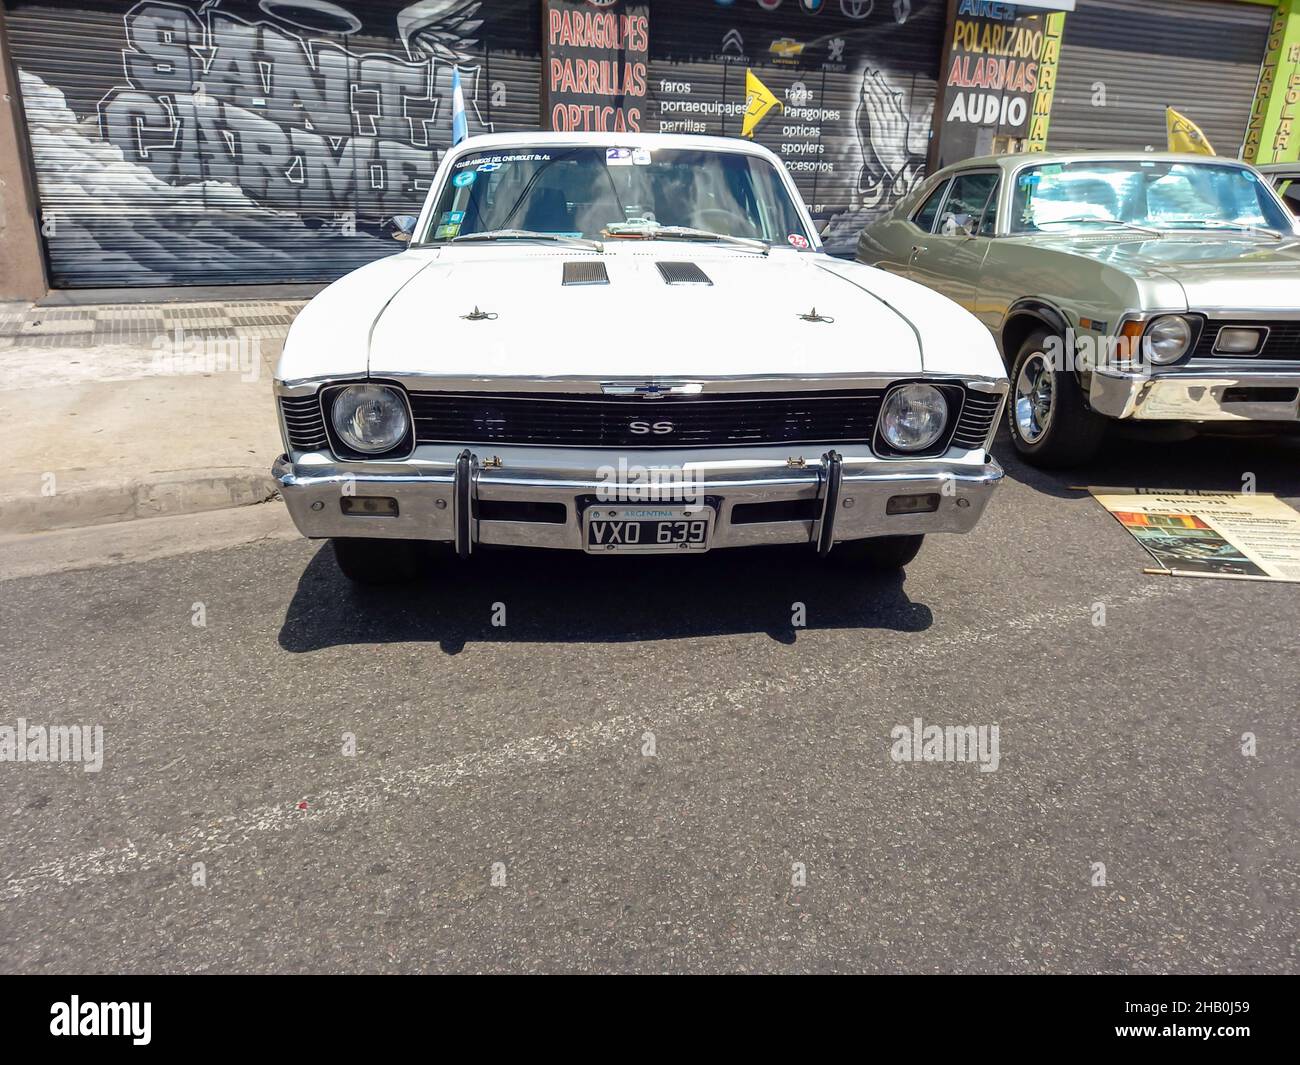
x: 292, y: 130
x: 221, y: 141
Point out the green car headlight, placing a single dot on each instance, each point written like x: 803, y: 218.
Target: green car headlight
x: 1167, y: 339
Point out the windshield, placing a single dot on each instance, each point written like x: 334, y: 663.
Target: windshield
x: 602, y: 193
x: 1059, y: 197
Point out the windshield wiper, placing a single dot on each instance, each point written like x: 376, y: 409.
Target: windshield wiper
x: 1100, y: 221
x: 657, y: 232
x: 528, y: 234
x: 1240, y: 227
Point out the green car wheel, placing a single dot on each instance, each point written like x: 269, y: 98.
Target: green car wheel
x: 1050, y: 424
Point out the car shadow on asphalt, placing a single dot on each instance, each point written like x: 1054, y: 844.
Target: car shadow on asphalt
x: 563, y: 596
x: 1135, y: 459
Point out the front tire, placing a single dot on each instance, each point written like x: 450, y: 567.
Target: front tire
x: 882, y: 554
x: 1051, y: 425
x: 377, y: 562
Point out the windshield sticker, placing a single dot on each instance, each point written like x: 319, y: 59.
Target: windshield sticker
x: 618, y: 156
x: 465, y: 177
x: 452, y: 218
x: 446, y: 232
x: 641, y: 156
x: 488, y: 163
x: 798, y: 240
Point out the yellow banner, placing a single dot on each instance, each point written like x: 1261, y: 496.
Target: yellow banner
x: 1185, y: 135
x: 759, y: 100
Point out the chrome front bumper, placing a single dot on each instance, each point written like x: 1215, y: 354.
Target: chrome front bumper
x: 1196, y: 395
x: 441, y: 493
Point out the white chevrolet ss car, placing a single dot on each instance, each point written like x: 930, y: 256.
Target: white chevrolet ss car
x: 629, y: 344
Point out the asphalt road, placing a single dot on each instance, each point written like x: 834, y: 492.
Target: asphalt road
x: 500, y: 813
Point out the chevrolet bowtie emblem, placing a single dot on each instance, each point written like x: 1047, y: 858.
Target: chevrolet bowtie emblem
x: 651, y: 389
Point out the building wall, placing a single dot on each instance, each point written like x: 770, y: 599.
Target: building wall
x: 857, y: 80
x: 190, y: 142
x: 232, y: 141
x: 22, y: 267
x: 1124, y: 61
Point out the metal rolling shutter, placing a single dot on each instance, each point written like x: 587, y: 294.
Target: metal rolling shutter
x: 178, y: 143
x: 857, y: 78
x: 1200, y: 57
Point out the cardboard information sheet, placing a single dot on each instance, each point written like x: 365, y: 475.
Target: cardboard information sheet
x: 1211, y: 534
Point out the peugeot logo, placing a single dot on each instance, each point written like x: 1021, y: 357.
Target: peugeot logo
x: 644, y: 428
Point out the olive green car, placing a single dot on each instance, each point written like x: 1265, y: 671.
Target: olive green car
x: 1126, y: 285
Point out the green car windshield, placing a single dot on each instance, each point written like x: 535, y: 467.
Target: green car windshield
x: 600, y: 193
x: 1154, y: 194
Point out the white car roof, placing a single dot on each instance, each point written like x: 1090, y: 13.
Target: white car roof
x: 544, y: 139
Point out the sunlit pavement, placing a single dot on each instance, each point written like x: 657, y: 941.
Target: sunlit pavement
x: 649, y: 767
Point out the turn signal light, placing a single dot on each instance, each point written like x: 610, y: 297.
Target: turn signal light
x: 925, y: 503
x: 369, y: 506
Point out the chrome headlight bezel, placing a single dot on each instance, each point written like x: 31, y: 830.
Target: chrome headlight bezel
x: 346, y: 443
x: 1186, y: 329
x: 890, y: 444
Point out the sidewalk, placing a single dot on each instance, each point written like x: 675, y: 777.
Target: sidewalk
x: 136, y: 410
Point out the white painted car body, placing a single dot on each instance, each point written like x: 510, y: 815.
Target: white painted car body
x: 779, y: 322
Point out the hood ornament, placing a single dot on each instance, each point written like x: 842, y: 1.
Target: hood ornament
x: 480, y: 316
x: 813, y: 316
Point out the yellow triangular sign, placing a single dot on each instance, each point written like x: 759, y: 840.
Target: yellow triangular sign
x: 759, y: 100
x: 1185, y: 135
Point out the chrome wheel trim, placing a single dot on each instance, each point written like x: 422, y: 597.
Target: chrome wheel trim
x: 1034, y: 399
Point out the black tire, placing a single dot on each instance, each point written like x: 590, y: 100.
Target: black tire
x: 374, y: 562
x: 1072, y: 434
x: 880, y: 553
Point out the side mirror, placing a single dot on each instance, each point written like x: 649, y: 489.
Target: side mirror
x: 825, y: 230
x: 405, y: 226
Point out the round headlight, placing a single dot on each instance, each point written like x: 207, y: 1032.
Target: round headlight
x: 914, y: 417
x: 370, y: 418
x: 1167, y: 339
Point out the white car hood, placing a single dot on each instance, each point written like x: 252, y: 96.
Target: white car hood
x: 745, y: 323
x: 407, y: 314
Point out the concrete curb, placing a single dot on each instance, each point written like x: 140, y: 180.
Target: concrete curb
x: 76, y: 502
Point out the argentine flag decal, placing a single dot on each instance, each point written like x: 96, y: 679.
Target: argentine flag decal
x: 459, y: 124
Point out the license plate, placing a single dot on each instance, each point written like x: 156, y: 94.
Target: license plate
x: 606, y: 530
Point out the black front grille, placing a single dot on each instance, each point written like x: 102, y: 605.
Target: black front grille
x: 1283, y: 340
x: 633, y: 422
x: 619, y: 422
x: 303, y: 423
x: 978, y: 414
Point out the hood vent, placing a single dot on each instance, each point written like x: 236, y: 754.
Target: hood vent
x: 683, y: 274
x: 585, y: 272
